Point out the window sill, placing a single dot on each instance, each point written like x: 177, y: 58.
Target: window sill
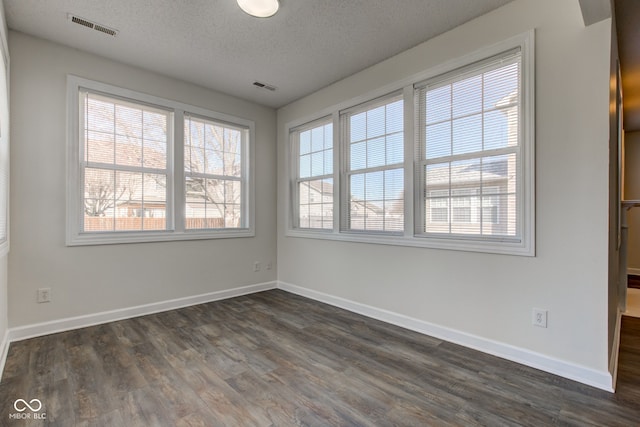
x: 517, y: 248
x: 87, y: 239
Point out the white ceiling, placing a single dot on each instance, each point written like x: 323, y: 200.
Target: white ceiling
x: 307, y: 45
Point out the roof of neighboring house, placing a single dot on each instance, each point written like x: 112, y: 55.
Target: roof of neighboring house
x: 467, y: 174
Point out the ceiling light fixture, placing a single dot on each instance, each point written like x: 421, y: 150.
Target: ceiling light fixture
x: 259, y: 8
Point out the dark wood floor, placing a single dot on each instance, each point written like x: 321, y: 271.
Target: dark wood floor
x: 633, y: 281
x: 276, y: 359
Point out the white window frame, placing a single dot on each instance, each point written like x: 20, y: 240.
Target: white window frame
x: 525, y: 246
x: 75, y: 236
x: 294, y: 144
x: 345, y: 170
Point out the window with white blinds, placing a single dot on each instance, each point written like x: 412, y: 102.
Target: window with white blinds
x: 374, y: 171
x: 143, y: 168
x: 469, y: 149
x: 214, y: 163
x: 124, y: 164
x: 313, y: 181
x: 444, y: 160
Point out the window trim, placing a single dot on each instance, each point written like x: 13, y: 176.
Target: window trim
x: 175, y: 157
x: 525, y: 247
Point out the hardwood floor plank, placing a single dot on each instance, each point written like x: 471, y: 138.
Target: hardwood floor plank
x: 277, y: 359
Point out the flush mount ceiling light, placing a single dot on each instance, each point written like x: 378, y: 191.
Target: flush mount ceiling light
x: 259, y: 8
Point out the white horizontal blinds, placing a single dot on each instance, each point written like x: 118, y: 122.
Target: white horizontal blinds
x: 470, y: 150
x: 375, y: 166
x: 214, y: 174
x: 314, y: 183
x: 123, y: 164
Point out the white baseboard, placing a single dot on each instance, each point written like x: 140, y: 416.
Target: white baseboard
x: 633, y: 271
x: 61, y: 325
x: 583, y: 374
x: 615, y: 351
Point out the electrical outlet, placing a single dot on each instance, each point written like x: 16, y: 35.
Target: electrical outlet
x: 44, y: 295
x: 540, y: 317
x: 256, y: 266
x: 269, y: 265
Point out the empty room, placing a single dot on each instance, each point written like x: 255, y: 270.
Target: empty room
x: 323, y: 213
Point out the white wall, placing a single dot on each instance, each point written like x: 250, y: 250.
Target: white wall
x: 632, y: 192
x: 492, y: 296
x: 4, y: 301
x: 91, y: 279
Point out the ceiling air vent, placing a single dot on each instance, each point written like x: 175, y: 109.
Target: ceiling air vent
x: 92, y: 25
x: 265, y: 86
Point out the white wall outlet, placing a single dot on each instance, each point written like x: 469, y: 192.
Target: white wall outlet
x: 540, y: 317
x: 256, y: 266
x: 44, y: 295
x: 269, y: 265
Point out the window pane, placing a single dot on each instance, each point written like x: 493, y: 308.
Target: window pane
x: 473, y: 192
x: 395, y: 148
x: 438, y: 140
x: 128, y: 121
x: 317, y: 139
x: 305, y: 166
x: 315, y: 147
x: 376, y: 152
x: 377, y: 200
x: 100, y: 147
x: 358, y: 156
x: 376, y: 195
x: 395, y: 117
x: 120, y: 133
x: 305, y: 142
x: 438, y: 104
x: 315, y: 204
x: 154, y: 154
x: 99, y: 193
x: 214, y: 198
x: 467, y: 134
x: 467, y: 96
x: 358, y: 127
x: 376, y: 122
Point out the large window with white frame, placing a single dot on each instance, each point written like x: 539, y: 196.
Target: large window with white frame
x: 469, y: 149
x: 312, y: 146
x: 373, y: 139
x: 143, y: 168
x: 443, y: 161
x: 213, y: 169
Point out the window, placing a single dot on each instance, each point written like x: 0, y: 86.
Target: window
x: 127, y: 180
x: 313, y: 147
x: 124, y: 164
x: 469, y: 145
x: 213, y: 174
x: 443, y: 160
x: 374, y: 178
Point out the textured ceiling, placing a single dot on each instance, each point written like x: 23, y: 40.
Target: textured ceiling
x: 307, y: 45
